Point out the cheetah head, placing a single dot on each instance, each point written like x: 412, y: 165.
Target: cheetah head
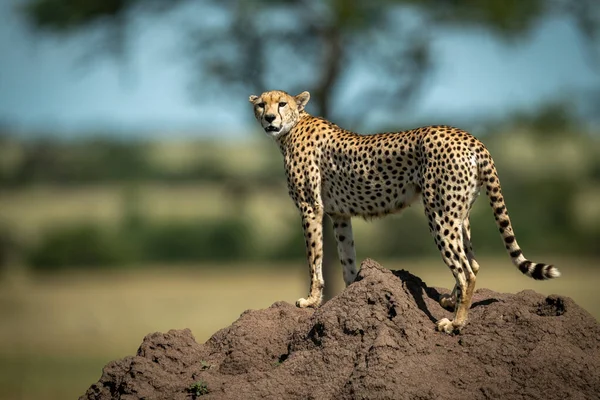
x: 277, y: 111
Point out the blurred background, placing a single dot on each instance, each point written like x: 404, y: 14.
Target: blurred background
x: 138, y: 194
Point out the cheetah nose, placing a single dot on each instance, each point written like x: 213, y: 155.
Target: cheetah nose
x: 269, y: 118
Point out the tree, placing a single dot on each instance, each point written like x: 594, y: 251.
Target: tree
x: 253, y: 45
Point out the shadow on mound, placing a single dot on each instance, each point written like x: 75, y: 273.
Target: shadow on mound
x: 375, y: 340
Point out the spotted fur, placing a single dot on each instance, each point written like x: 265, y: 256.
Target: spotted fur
x: 342, y: 174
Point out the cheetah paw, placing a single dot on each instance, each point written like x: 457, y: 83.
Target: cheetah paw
x: 310, y: 302
x: 447, y: 326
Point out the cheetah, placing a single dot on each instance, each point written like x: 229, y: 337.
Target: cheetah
x: 343, y: 174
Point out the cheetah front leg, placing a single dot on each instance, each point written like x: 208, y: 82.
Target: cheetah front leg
x: 312, y: 223
x: 342, y: 227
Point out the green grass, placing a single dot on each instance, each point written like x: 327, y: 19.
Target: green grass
x: 47, y: 377
x: 199, y: 388
x: 58, y: 331
x: 28, y: 212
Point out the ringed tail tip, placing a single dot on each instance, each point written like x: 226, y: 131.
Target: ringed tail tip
x: 539, y: 271
x: 553, y: 272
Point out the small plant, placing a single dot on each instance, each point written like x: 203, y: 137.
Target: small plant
x: 198, y: 388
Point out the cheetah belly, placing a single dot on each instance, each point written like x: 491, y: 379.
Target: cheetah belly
x: 345, y: 192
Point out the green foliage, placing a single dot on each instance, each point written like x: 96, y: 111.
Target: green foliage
x: 545, y: 207
x: 327, y: 40
x: 209, y: 170
x: 508, y: 18
x: 216, y: 240
x: 79, y: 245
x: 394, y: 35
x: 199, y: 388
x: 172, y: 242
x: 406, y: 235
x: 540, y: 213
x: 292, y: 246
x: 97, y: 160
x: 548, y: 223
x: 90, y: 161
x: 554, y: 118
x: 61, y: 15
x: 9, y: 247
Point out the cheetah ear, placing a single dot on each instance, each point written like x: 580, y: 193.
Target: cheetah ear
x: 302, y: 99
x: 253, y: 98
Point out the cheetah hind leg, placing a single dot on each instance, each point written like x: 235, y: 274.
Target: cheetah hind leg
x: 448, y: 301
x: 342, y: 227
x: 466, y: 231
x: 455, y: 258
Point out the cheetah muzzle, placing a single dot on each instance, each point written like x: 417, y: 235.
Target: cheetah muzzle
x: 343, y: 174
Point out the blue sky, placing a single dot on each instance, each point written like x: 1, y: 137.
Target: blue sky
x: 43, y: 87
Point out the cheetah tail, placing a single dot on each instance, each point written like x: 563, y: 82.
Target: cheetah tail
x: 489, y: 177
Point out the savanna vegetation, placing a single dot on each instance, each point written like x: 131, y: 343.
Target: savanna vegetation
x: 190, y: 234
x: 104, y: 240
x: 103, y: 203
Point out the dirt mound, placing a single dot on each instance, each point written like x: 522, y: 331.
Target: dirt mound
x: 376, y: 340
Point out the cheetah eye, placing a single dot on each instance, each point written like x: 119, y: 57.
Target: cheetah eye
x: 282, y: 104
x: 260, y: 105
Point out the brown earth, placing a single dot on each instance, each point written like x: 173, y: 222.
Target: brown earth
x: 376, y: 340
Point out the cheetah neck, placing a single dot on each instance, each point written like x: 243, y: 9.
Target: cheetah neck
x: 284, y: 139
